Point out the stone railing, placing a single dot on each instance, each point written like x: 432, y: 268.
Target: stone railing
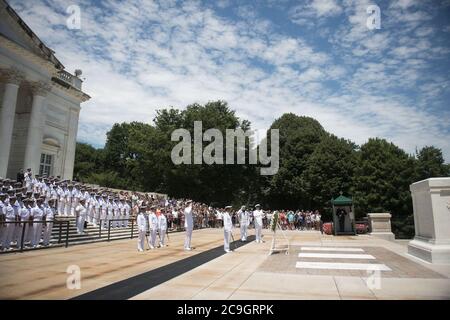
x: 70, y: 79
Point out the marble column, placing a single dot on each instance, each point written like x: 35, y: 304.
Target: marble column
x: 36, y: 126
x: 71, y: 143
x: 12, y: 79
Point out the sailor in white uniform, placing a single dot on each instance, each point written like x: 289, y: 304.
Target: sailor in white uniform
x: 142, y: 227
x: 81, y: 213
x: 162, y: 228
x: 28, y: 177
x: 126, y: 212
x: 189, y: 225
x: 24, y: 216
x: 243, y: 222
x: 227, y: 228
x: 37, y: 213
x: 153, y: 228
x: 61, y: 199
x: 258, y: 216
x: 68, y: 194
x: 97, y: 203
x: 10, y: 216
x: 49, y: 215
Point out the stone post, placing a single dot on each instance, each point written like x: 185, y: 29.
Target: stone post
x: 380, y: 225
x: 431, y: 203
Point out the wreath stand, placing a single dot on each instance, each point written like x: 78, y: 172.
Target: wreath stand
x: 273, y: 247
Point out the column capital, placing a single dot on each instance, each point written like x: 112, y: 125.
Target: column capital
x: 12, y: 75
x: 40, y: 88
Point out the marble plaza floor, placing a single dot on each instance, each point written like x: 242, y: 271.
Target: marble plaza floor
x: 317, y: 267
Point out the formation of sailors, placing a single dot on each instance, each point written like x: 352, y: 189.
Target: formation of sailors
x: 36, y: 201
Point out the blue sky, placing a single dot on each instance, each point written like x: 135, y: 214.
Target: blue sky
x: 265, y: 57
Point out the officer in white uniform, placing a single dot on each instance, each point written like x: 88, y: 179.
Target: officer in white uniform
x: 10, y: 216
x: 17, y: 206
x: 68, y: 194
x: 126, y: 213
x: 104, y: 211
x: 49, y: 214
x: 153, y: 228
x: 142, y: 228
x: 243, y: 222
x: 162, y: 229
x: 189, y: 225
x: 227, y: 228
x: 121, y: 213
x: 28, y: 176
x: 76, y: 196
x: 110, y: 212
x: 80, y: 213
x: 24, y: 216
x: 61, y: 200
x: 258, y: 215
x: 37, y: 213
x: 117, y: 213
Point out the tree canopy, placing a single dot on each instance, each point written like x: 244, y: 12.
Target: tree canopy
x: 314, y: 166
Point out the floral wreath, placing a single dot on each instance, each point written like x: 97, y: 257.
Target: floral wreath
x: 274, y: 221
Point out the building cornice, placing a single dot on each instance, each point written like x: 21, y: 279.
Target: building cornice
x: 77, y: 94
x: 11, y: 75
x: 28, y: 55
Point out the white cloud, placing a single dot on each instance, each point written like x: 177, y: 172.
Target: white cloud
x: 142, y: 55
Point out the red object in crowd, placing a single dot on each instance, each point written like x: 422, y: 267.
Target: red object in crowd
x: 328, y: 228
x: 361, y: 228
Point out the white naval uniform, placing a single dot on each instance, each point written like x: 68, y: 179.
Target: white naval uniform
x: 110, y: 213
x: 142, y: 228
x: 103, y: 212
x: 16, y: 207
x: 28, y: 183
x: 49, y: 214
x: 116, y: 214
x: 80, y: 212
x: 68, y: 202
x: 162, y: 229
x: 24, y: 214
x: 258, y: 215
x: 90, y: 205
x: 189, y: 225
x: 37, y: 213
x: 76, y: 195
x: 10, y: 216
x: 96, y: 207
x: 61, y: 200
x: 227, y: 228
x: 121, y: 214
x: 244, y: 222
x: 126, y: 214
x: 153, y: 228
x: 2, y: 218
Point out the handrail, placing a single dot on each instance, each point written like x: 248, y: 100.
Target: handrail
x: 30, y: 223
x: 109, y: 226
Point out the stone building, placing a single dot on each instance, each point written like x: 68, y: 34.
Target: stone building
x: 39, y: 103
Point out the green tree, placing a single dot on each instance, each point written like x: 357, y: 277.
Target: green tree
x: 299, y: 137
x: 88, y: 160
x: 329, y: 170
x: 430, y: 163
x: 381, y: 183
